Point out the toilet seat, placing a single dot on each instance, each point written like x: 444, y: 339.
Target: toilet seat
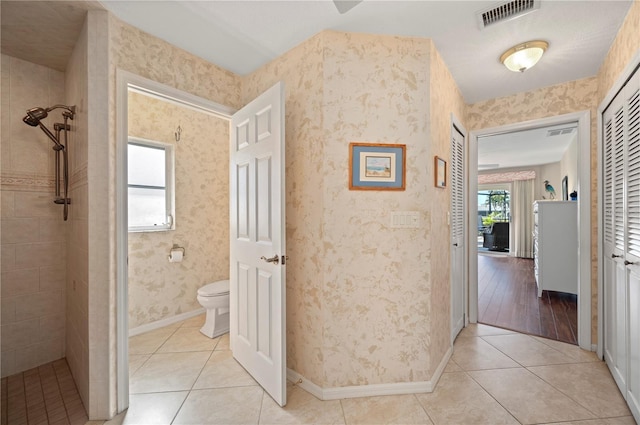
x: 214, y: 289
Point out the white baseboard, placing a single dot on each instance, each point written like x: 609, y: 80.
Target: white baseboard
x: 370, y: 390
x: 165, y: 322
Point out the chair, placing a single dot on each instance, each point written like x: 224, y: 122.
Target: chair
x: 496, y: 237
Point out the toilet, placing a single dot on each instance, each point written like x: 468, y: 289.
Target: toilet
x: 214, y: 297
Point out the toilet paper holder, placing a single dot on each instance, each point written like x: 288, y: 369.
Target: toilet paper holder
x: 175, y: 249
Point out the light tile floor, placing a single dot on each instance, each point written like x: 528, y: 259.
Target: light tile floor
x: 178, y: 376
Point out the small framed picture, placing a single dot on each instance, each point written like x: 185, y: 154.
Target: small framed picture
x: 376, y: 166
x: 441, y: 172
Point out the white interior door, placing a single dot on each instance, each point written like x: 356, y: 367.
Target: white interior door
x: 257, y: 216
x: 621, y: 240
x: 457, y: 233
x: 614, y: 269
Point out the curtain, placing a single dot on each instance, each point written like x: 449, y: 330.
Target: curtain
x: 522, y: 208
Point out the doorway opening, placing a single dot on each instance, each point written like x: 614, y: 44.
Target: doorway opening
x: 494, y: 217
x: 127, y: 85
x: 494, y: 168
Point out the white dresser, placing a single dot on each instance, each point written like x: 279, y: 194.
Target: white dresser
x: 555, y: 246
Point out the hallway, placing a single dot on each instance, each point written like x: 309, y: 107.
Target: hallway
x: 491, y: 379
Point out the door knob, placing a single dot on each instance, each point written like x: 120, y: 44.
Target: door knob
x: 275, y: 259
x: 455, y: 244
x: 615, y: 256
x: 628, y: 263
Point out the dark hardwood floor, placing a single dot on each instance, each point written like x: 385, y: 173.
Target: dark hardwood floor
x: 508, y: 298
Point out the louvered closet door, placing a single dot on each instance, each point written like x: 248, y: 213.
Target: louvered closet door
x: 458, y: 301
x: 614, y: 268
x: 621, y: 233
x: 632, y: 132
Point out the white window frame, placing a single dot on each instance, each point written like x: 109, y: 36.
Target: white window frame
x: 169, y: 185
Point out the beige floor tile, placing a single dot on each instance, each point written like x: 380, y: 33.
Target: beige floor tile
x: 527, y: 351
x: 223, y: 371
x: 194, y: 322
x: 393, y: 409
x: 478, y: 329
x: 187, y: 339
x: 168, y: 372
x: 590, y: 384
x: 239, y: 405
x: 452, y: 367
x: 223, y: 344
x: 136, y: 361
x: 477, y: 354
x: 149, y: 342
x: 573, y: 351
x: 302, y: 408
x: 624, y: 420
x: 529, y: 398
x: 458, y: 399
x: 153, y: 409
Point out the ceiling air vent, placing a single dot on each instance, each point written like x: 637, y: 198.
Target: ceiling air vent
x: 560, y: 131
x: 506, y: 11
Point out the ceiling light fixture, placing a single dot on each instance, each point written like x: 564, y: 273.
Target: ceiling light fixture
x: 523, y: 56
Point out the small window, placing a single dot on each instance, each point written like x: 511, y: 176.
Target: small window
x: 150, y: 180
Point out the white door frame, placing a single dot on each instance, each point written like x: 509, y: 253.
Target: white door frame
x: 124, y: 82
x: 583, y: 119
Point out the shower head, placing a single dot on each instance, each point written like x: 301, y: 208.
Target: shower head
x: 34, y: 116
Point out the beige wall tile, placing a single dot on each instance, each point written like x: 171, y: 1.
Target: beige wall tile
x: 8, y: 257
x: 40, y: 304
x: 20, y: 230
x: 8, y: 362
x: 8, y: 310
x: 34, y: 204
x: 19, y: 334
x: 40, y: 254
x: 52, y: 278
x: 53, y: 229
x: 8, y: 202
x: 20, y: 282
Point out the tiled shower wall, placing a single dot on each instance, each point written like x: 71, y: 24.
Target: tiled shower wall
x: 33, y: 233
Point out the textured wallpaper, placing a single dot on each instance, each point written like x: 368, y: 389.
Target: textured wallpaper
x: 157, y: 288
x: 376, y: 279
x: 446, y: 100
x: 623, y: 49
x: 302, y: 71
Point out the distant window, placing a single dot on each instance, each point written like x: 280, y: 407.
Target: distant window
x: 150, y: 180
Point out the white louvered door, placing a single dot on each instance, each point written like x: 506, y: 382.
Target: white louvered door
x: 632, y: 132
x: 614, y: 269
x: 458, y: 297
x: 257, y: 230
x: 621, y: 234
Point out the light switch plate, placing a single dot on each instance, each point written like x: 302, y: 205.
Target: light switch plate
x: 405, y: 219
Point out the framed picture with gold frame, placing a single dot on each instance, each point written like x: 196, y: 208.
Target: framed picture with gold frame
x: 377, y: 166
x: 440, y: 172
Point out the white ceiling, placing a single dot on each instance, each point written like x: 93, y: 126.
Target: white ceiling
x: 242, y: 35
x: 524, y: 148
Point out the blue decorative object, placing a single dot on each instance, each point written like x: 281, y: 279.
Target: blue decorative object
x: 549, y: 189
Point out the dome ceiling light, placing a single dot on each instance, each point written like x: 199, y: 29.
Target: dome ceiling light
x: 523, y: 56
